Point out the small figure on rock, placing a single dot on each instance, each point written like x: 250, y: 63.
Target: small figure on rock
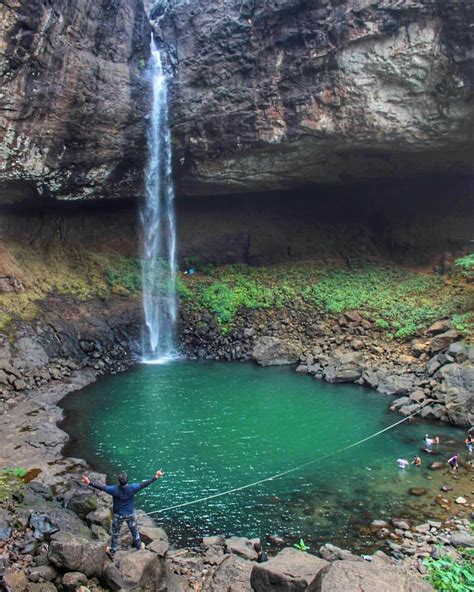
x: 453, y: 463
x: 469, y: 441
x: 123, y: 506
x: 416, y: 461
x: 402, y: 463
x: 261, y: 555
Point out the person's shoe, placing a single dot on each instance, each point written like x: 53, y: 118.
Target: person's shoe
x: 110, y: 552
x: 141, y: 547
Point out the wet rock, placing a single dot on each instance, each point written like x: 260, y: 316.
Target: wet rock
x: 378, y: 524
x: 353, y: 576
x: 233, y: 573
x: 73, y: 580
x: 401, y: 524
x: 271, y: 351
x: 417, y: 491
x: 289, y: 571
x: 242, y: 547
x: 71, y: 552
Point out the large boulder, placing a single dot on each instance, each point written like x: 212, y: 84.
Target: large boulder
x: 271, y: 351
x: 289, y: 571
x: 142, y: 569
x: 443, y: 340
x: 242, y: 547
x: 354, y: 576
x: 73, y: 553
x: 231, y: 575
x: 344, y: 367
x: 456, y: 392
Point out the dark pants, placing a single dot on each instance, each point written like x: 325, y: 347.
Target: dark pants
x: 131, y: 521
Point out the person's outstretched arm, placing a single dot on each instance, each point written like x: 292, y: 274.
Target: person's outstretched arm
x: 107, y: 488
x: 144, y: 484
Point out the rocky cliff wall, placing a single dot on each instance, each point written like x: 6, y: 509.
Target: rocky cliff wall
x: 73, y: 98
x: 273, y: 94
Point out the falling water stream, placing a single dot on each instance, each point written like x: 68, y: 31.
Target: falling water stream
x: 157, y: 217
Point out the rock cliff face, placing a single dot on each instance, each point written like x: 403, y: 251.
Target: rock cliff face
x: 73, y: 98
x: 273, y: 94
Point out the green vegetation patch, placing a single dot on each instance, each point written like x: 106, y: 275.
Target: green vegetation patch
x: 11, y: 482
x: 447, y: 575
x: 402, y: 301
x: 405, y: 302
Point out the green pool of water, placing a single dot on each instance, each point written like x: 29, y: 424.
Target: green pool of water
x: 218, y: 426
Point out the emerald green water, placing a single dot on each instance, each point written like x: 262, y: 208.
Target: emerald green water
x: 216, y: 426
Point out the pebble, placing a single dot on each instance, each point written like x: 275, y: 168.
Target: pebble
x: 461, y: 501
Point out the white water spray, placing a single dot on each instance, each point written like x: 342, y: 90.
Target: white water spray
x: 158, y: 248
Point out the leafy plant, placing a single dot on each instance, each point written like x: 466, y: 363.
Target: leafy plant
x: 300, y: 545
x: 448, y: 575
x: 466, y: 263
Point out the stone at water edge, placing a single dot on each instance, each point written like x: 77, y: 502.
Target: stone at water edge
x: 377, y: 576
x: 289, y: 571
x: 270, y: 351
x: 462, y: 501
x: 242, y: 547
x: 417, y: 491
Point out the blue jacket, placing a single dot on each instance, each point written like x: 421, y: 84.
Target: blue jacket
x: 124, y: 504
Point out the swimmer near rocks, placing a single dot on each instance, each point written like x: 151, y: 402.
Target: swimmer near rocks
x: 123, y: 496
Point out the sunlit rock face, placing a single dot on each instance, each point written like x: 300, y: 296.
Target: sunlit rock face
x: 275, y: 94
x: 72, y: 98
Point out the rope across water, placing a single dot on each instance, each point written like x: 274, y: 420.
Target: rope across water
x: 283, y: 473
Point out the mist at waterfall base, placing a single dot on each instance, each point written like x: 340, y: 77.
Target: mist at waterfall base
x: 158, y: 226
x: 214, y: 426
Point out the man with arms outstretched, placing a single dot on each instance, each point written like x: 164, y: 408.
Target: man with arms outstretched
x: 124, y: 506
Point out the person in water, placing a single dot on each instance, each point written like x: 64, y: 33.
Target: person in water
x: 123, y: 506
x: 261, y: 555
x: 402, y: 463
x: 469, y: 442
x: 416, y: 461
x: 453, y: 463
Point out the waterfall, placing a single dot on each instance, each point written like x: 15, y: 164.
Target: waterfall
x: 158, y: 226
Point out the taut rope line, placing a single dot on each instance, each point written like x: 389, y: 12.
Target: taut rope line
x: 278, y: 475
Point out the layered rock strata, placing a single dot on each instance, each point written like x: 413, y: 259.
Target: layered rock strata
x: 283, y: 93
x: 73, y: 98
